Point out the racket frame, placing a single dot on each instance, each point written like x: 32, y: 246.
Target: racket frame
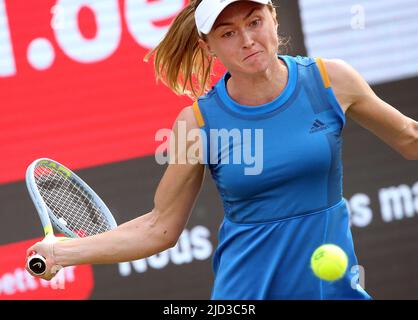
x: 45, y: 214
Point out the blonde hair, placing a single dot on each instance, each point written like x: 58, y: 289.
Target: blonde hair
x: 179, y: 62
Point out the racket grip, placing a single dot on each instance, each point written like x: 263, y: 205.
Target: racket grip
x: 37, y: 264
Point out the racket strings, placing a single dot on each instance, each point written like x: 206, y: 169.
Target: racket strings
x: 70, y: 203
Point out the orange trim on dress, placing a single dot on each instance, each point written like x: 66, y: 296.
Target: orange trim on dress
x: 198, y: 114
x: 324, y: 73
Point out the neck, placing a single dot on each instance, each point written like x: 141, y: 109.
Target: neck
x: 260, y: 88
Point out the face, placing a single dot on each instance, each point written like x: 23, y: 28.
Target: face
x: 244, y: 38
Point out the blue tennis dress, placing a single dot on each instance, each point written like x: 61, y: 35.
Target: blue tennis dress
x: 279, y: 175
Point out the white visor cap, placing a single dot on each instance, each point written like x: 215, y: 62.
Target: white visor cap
x: 208, y: 11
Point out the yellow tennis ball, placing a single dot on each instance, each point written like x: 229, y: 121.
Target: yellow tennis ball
x: 329, y: 262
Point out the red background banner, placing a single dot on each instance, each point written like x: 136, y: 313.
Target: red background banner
x: 17, y: 284
x: 80, y: 113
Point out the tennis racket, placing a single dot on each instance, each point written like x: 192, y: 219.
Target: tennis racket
x: 65, y: 201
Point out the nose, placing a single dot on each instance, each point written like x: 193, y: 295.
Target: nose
x: 247, y: 39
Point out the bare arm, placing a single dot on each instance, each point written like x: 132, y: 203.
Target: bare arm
x: 148, y: 234
x: 362, y: 105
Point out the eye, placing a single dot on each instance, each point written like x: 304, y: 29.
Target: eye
x: 255, y: 22
x: 228, y: 34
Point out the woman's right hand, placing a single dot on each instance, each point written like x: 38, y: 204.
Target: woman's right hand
x: 45, y: 248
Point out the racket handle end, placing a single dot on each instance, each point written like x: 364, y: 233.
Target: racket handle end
x: 37, y: 264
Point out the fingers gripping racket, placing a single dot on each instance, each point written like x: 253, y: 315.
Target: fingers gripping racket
x: 65, y: 201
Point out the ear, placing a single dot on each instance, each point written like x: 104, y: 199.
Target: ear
x: 275, y: 19
x: 206, y: 48
x: 276, y: 22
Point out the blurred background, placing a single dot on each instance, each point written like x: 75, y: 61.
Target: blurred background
x: 74, y: 88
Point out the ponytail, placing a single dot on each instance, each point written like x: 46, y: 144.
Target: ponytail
x: 179, y: 62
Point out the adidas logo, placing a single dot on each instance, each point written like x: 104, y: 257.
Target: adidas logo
x: 318, y: 126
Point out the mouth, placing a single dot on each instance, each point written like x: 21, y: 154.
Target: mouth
x: 252, y: 55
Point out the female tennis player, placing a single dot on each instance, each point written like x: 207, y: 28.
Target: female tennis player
x: 276, y: 218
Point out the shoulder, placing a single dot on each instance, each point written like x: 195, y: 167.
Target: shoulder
x: 189, y: 115
x: 341, y: 72
x: 338, y: 68
x: 348, y: 84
